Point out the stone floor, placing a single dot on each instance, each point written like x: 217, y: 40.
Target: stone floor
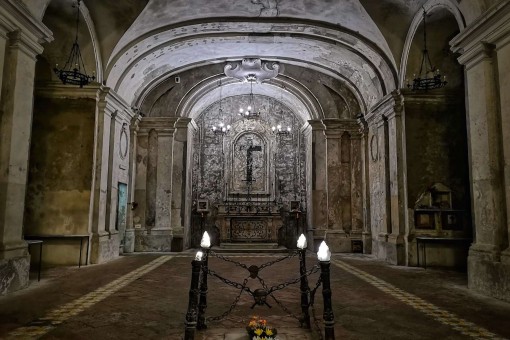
x: 146, y: 296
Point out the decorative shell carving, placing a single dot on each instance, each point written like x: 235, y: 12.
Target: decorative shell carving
x: 252, y: 70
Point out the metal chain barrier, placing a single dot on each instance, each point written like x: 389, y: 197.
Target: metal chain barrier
x: 270, y: 263
x: 232, y: 306
x: 316, y: 321
x: 260, y: 295
x: 226, y: 259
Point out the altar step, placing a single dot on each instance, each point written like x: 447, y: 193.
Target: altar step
x: 250, y: 248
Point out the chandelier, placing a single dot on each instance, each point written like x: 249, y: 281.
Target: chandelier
x: 278, y: 130
x: 221, y: 129
x: 72, y: 71
x: 429, y: 77
x: 249, y: 113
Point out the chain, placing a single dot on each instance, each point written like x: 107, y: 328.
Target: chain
x: 229, y: 282
x: 232, y: 306
x: 270, y: 263
x: 314, y: 269
x: 311, y: 303
x: 224, y: 258
x: 285, y: 309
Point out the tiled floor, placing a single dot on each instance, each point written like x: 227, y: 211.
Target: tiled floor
x: 146, y: 297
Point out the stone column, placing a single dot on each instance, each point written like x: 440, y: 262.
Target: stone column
x: 484, y: 46
x: 109, y: 167
x: 158, y: 237
x: 503, y: 53
x: 101, y: 250
x: 163, y: 225
x: 188, y: 198
x: 316, y: 181
x: 367, y: 230
x: 344, y: 189
x: 179, y: 181
x: 387, y: 179
x: 16, y: 103
x: 129, y: 238
x: 398, y: 184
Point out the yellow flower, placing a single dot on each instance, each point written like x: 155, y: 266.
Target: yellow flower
x: 252, y: 323
x: 258, y: 331
x: 269, y: 331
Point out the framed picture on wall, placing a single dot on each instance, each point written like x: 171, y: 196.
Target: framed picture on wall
x: 202, y: 205
x: 424, y: 220
x: 451, y: 220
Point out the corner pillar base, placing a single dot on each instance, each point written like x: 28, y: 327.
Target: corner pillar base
x: 14, y: 274
x: 488, y: 276
x: 104, y: 247
x: 159, y: 240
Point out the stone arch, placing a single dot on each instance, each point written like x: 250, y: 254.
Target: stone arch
x: 429, y: 6
x: 86, y: 19
x: 294, y: 95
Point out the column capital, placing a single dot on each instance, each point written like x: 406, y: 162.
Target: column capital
x: 21, y: 41
x: 158, y: 123
x: 390, y: 106
x: 182, y: 123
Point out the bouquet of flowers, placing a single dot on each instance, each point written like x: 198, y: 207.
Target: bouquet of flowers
x: 259, y: 330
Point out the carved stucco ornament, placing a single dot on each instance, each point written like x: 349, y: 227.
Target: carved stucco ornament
x: 252, y: 70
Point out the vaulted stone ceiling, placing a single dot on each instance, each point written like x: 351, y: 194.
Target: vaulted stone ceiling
x: 139, y: 46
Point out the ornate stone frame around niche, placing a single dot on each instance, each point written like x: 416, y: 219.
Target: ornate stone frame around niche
x: 263, y: 132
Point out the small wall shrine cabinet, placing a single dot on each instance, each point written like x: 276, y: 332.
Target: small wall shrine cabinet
x: 435, y: 216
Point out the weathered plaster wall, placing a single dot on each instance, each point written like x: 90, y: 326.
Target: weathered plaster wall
x: 58, y: 194
x: 60, y: 175
x: 281, y: 155
x: 436, y: 147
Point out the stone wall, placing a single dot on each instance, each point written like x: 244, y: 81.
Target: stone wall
x: 219, y: 168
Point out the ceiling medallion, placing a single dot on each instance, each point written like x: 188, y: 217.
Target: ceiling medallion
x: 252, y: 70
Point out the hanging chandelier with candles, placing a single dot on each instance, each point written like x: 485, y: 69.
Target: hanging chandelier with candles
x: 222, y: 128
x: 250, y: 112
x: 74, y: 72
x: 429, y: 77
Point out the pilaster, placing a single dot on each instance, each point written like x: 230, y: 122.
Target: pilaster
x: 484, y: 49
x: 179, y: 175
x: 159, y: 237
x: 316, y: 181
x: 387, y: 179
x: 109, y: 167
x: 20, y: 35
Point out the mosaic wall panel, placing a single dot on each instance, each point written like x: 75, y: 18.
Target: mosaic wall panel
x: 219, y: 163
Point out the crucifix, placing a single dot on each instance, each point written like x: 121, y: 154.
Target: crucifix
x: 249, y: 161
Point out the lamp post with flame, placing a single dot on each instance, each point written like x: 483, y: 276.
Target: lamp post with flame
x: 205, y: 243
x: 324, y: 256
x: 191, y: 314
x: 305, y: 289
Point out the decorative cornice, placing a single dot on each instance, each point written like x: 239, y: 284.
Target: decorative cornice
x: 336, y: 126
x: 14, y: 16
x: 158, y: 123
x: 493, y: 27
x: 58, y: 90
